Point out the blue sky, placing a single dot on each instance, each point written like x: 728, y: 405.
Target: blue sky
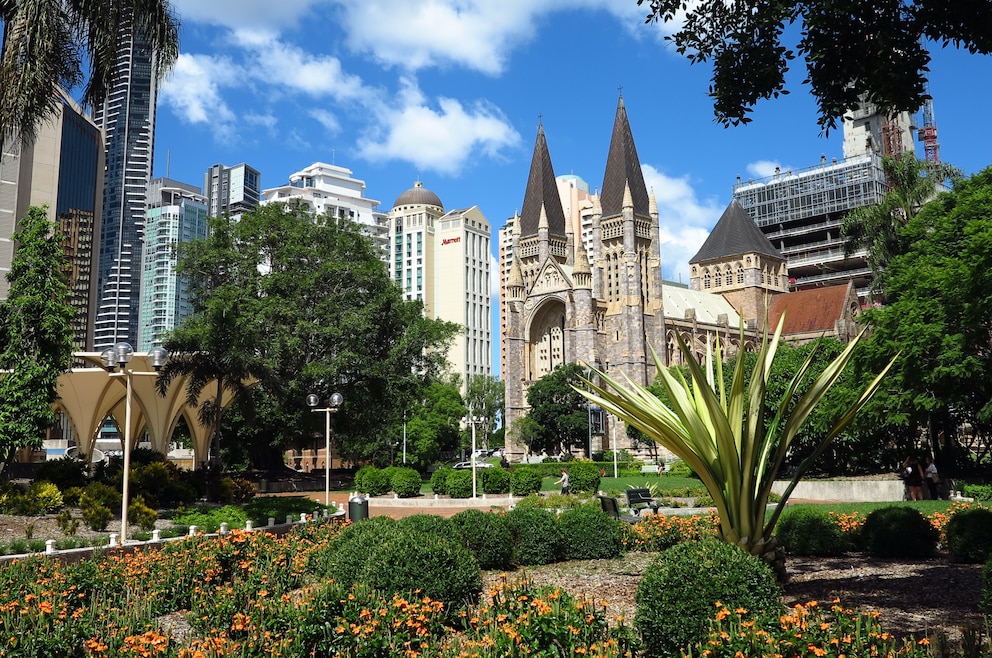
x: 450, y: 91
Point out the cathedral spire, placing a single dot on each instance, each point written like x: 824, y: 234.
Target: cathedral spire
x: 542, y: 191
x: 623, y: 169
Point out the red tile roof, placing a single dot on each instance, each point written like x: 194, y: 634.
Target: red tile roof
x: 814, y: 309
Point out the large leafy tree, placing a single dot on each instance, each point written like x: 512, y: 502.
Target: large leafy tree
x: 559, y: 413
x: 35, y: 334
x: 434, y: 426
x: 723, y: 434
x: 305, y: 301
x: 484, y: 398
x: 875, y: 228
x: 48, y: 43
x: 853, y: 50
x: 938, y: 313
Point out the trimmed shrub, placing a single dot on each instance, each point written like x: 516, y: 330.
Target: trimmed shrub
x: 969, y: 536
x: 439, y: 480
x: 810, y: 531
x: 372, y: 481
x: 898, y: 531
x: 589, y: 534
x: 676, y: 594
x: 406, y: 482
x: 143, y: 515
x: 432, y: 566
x: 350, y: 551
x: 583, y: 477
x: 208, y: 519
x: 495, y: 480
x: 430, y: 524
x: 536, y: 536
x: 485, y: 534
x: 101, y: 493
x: 63, y: 473
x: 459, y: 483
x: 977, y: 491
x: 525, y: 481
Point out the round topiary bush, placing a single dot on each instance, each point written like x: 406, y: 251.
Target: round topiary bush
x: 406, y: 482
x: 486, y: 535
x: 495, y: 480
x: 459, y: 483
x: 433, y: 566
x: 525, y: 481
x: 536, y: 536
x: 372, y: 481
x: 589, y: 534
x: 439, y: 480
x: 898, y: 531
x: 676, y: 594
x: 583, y: 477
x: 430, y: 524
x: 810, y: 531
x: 351, y: 549
x: 969, y: 536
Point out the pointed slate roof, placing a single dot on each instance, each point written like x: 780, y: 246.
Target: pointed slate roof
x: 623, y: 168
x: 541, y: 190
x: 735, y: 234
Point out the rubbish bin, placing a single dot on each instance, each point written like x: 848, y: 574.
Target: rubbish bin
x: 358, y: 508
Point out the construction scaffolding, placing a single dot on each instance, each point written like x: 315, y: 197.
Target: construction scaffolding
x: 823, y: 189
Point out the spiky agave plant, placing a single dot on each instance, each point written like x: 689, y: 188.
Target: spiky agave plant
x: 722, y: 435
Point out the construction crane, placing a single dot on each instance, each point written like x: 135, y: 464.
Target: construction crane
x: 927, y: 133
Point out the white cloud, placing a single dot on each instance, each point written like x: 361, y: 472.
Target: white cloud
x: 246, y: 16
x: 440, y: 136
x: 288, y: 66
x: 192, y: 90
x: 685, y: 221
x: 762, y: 168
x: 326, y: 119
x: 265, y: 120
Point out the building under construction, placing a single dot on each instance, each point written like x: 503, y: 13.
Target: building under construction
x: 801, y: 211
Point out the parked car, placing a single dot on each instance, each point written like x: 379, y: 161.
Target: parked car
x: 478, y: 464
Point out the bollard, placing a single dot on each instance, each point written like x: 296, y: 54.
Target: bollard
x: 289, y: 518
x: 50, y: 547
x: 192, y: 531
x: 248, y: 524
x: 272, y: 520
x: 303, y: 517
x: 156, y: 535
x: 223, y: 528
x: 113, y: 539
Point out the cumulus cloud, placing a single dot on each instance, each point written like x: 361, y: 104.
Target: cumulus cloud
x: 685, y: 221
x: 192, y: 90
x: 247, y: 16
x: 439, y: 136
x: 762, y: 168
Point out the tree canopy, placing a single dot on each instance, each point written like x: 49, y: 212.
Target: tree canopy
x: 35, y: 334
x: 558, y: 413
x: 484, y: 398
x: 855, y: 51
x: 46, y: 45
x: 303, y: 303
x: 938, y: 314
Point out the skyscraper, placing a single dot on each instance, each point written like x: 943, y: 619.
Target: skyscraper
x: 233, y: 190
x: 127, y: 118
x: 63, y: 168
x: 177, y: 213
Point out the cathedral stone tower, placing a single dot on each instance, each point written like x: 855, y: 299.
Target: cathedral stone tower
x: 563, y: 309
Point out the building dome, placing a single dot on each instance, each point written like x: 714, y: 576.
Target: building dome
x: 418, y: 195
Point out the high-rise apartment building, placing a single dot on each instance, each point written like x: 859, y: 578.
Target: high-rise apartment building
x: 442, y: 259
x: 127, y: 118
x: 233, y: 190
x: 326, y: 188
x: 63, y: 168
x: 177, y: 213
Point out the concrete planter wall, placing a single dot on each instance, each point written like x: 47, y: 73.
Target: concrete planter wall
x: 845, y: 491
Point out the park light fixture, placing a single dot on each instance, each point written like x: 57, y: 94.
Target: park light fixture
x: 113, y: 358
x: 335, y: 401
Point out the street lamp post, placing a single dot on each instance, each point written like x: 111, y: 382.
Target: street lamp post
x: 119, y: 356
x: 331, y: 407
x: 474, y: 491
x: 404, y: 437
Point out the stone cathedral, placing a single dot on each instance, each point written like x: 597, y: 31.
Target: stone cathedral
x: 562, y: 308
x: 593, y: 292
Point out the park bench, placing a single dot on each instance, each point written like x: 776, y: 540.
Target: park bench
x: 612, y: 507
x: 640, y: 499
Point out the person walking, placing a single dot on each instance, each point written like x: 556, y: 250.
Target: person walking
x: 563, y: 481
x: 931, y: 478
